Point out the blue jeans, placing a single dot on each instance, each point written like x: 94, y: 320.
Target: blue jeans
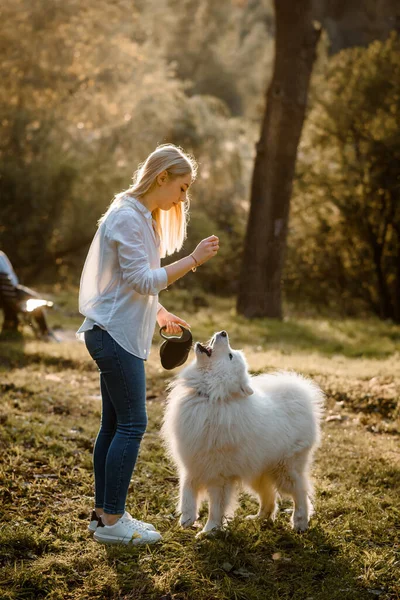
x: 123, y: 419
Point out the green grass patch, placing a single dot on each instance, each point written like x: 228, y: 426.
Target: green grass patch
x: 48, y: 421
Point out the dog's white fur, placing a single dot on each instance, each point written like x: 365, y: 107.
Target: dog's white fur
x: 223, y: 428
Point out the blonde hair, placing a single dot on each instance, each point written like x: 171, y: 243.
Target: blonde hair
x: 171, y: 225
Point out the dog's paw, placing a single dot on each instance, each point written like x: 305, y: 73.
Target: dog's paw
x: 262, y: 516
x: 300, y: 524
x: 252, y: 517
x: 187, y: 520
x: 208, y: 532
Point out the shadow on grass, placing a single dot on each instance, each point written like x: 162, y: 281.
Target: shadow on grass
x: 13, y: 356
x: 246, y: 562
x: 134, y: 568
x: 270, y: 559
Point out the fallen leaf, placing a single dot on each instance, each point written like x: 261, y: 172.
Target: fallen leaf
x: 53, y: 377
x: 276, y: 556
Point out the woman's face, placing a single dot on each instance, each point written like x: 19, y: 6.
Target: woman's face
x: 172, y: 190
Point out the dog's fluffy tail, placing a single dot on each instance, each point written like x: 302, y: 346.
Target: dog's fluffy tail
x: 288, y: 384
x: 309, y: 388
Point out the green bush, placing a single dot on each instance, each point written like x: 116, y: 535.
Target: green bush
x: 344, y: 242
x: 73, y: 130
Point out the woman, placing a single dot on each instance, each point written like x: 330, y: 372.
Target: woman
x: 118, y: 296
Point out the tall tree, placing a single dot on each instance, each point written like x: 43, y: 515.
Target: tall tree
x: 297, y: 35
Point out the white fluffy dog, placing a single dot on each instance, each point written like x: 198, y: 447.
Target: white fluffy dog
x: 223, y: 428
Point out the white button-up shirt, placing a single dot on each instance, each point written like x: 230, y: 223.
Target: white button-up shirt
x: 122, y: 277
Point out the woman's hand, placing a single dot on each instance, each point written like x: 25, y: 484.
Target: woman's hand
x: 203, y: 252
x: 206, y: 249
x: 170, y: 321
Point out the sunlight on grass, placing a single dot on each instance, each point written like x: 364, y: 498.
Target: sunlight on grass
x: 49, y: 418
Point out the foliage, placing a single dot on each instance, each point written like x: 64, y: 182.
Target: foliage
x: 89, y: 89
x: 49, y: 418
x: 223, y: 49
x: 61, y: 119
x: 344, y: 246
x: 87, y: 93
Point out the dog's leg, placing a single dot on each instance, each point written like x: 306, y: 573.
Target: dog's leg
x: 219, y: 499
x: 293, y: 480
x: 187, y: 502
x: 301, y: 503
x: 265, y: 489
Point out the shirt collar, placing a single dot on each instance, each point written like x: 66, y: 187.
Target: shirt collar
x: 141, y: 207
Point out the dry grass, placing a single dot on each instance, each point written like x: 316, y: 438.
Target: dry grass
x: 49, y: 416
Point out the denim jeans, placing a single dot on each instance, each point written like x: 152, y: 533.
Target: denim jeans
x: 123, y: 419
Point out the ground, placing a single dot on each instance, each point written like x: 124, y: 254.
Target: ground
x: 49, y: 416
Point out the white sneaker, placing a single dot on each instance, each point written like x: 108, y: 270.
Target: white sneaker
x: 147, y: 526
x: 125, y: 531
x: 94, y: 522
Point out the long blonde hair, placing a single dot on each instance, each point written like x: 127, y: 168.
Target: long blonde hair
x: 171, y: 224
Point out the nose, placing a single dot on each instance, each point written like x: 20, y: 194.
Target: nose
x: 223, y: 333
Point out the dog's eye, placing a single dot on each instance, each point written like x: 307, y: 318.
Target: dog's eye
x: 230, y: 356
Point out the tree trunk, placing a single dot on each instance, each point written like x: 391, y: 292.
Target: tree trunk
x: 396, y: 293
x: 386, y: 310
x: 295, y: 50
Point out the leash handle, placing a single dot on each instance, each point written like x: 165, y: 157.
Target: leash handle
x: 186, y: 335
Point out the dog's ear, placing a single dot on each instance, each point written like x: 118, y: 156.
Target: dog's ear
x: 201, y: 359
x: 246, y: 390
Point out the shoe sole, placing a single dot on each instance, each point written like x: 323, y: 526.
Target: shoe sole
x: 129, y: 541
x: 93, y: 528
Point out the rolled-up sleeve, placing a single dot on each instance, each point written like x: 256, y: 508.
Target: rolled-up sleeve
x: 127, y: 233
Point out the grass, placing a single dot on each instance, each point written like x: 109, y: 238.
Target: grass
x: 49, y: 416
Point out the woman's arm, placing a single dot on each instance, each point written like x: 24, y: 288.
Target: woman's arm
x: 179, y: 268
x: 133, y: 256
x: 203, y: 252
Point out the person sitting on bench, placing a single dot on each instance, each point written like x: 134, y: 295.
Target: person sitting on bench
x: 14, y: 300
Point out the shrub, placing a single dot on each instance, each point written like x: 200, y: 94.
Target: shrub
x: 344, y: 244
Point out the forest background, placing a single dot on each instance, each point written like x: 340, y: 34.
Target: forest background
x: 90, y: 89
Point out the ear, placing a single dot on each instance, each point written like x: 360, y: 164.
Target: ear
x: 162, y: 177
x: 201, y: 359
x: 246, y: 390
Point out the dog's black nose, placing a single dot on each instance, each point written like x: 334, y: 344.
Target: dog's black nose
x: 223, y: 333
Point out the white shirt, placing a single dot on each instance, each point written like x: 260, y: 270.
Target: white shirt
x: 122, y: 277
x: 6, y: 267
